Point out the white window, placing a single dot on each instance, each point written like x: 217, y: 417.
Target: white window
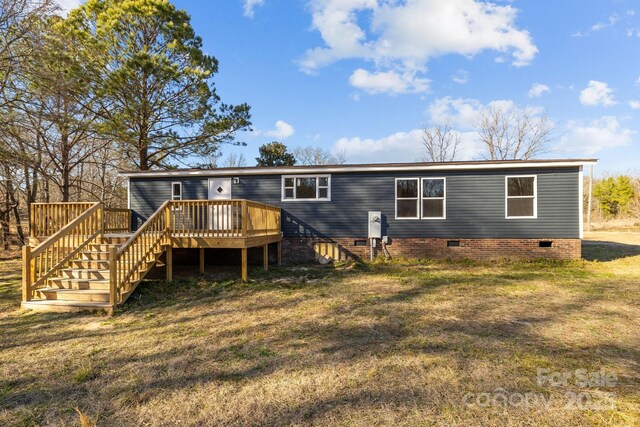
x: 434, y: 198
x: 176, y: 191
x: 306, y: 187
x: 407, y: 198
x: 521, y: 196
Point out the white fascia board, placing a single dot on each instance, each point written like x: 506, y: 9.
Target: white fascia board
x: 355, y: 168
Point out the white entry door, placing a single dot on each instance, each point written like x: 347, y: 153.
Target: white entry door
x: 220, y: 216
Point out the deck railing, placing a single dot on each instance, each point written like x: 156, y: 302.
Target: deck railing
x: 46, y: 219
x: 262, y: 220
x: 206, y: 218
x: 57, y: 250
x: 223, y: 218
x: 117, y: 220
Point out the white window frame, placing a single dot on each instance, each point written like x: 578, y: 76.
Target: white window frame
x: 444, y: 199
x: 317, y: 198
x: 418, y: 210
x: 173, y: 197
x: 507, y: 197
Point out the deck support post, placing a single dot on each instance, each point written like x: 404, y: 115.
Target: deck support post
x: 280, y: 253
x: 201, y: 260
x: 244, y: 265
x: 26, y: 273
x: 169, y: 263
x: 265, y: 257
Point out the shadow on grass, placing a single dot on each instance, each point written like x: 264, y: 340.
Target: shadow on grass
x: 594, y: 250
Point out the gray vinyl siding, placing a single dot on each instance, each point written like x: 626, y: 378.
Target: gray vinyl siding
x: 475, y: 204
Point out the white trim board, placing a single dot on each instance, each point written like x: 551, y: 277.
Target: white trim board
x: 325, y: 170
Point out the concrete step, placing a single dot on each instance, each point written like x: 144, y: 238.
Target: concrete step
x: 61, y: 306
x: 85, y: 273
x: 87, y: 295
x: 82, y: 284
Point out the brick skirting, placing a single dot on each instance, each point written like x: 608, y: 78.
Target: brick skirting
x: 307, y: 249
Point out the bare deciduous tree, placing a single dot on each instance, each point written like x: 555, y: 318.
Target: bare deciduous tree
x: 234, y: 160
x: 440, y: 143
x: 317, y: 156
x: 515, y: 133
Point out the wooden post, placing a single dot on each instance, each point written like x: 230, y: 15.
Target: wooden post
x: 201, y: 260
x: 265, y: 257
x: 32, y: 221
x: 26, y: 273
x: 113, y: 277
x: 244, y: 265
x: 169, y: 263
x: 101, y: 219
x: 280, y: 252
x: 167, y: 223
x: 244, y: 218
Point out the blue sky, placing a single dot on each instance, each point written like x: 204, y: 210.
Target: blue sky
x: 364, y: 76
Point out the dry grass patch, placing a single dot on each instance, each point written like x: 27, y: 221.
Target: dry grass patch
x: 397, y: 343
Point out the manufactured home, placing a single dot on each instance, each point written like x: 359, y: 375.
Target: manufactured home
x: 484, y: 209
x: 475, y: 209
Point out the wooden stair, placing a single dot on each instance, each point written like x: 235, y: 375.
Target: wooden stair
x: 84, y: 285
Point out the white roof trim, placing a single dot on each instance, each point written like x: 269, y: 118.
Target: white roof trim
x: 357, y: 168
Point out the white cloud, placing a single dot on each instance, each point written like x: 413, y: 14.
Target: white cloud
x: 403, y: 36
x: 538, y: 89
x: 611, y: 21
x: 281, y: 130
x: 463, y: 113
x: 388, y: 82
x: 597, y: 93
x: 250, y: 5
x: 461, y: 77
x: 67, y: 5
x: 634, y: 105
x: 460, y: 112
x: 598, y: 135
x: 398, y: 147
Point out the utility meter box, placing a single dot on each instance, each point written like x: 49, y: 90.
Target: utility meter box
x: 375, y: 224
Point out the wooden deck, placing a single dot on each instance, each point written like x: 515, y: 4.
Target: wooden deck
x: 94, y: 262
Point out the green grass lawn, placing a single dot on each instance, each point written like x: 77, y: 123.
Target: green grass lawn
x: 387, y: 343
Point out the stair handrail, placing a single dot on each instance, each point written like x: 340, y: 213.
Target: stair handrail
x: 126, y: 262
x: 41, y: 262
